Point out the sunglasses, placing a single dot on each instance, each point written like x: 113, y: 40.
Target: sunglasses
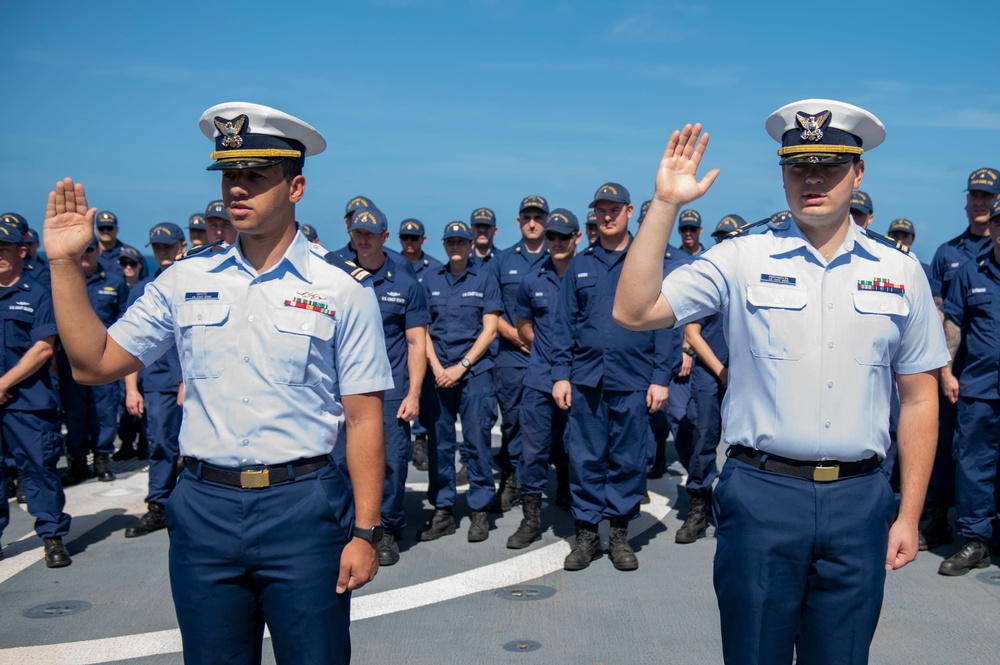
x: 129, y: 264
x: 552, y: 236
x: 408, y: 238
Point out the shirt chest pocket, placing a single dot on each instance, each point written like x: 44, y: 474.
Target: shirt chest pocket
x: 983, y: 310
x: 586, y: 290
x: 203, y: 338
x: 393, y: 316
x: 15, y: 329
x: 540, y: 305
x: 878, y: 319
x: 300, y: 347
x: 777, y: 321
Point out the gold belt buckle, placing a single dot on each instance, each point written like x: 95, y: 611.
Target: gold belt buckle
x: 255, y: 478
x: 826, y: 474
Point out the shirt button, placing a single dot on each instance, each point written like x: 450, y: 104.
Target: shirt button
x: 246, y: 442
x: 777, y: 301
x: 246, y: 359
x: 829, y: 345
x: 829, y: 384
x: 829, y: 305
x: 246, y: 400
x: 198, y: 317
x: 827, y: 424
x: 305, y: 326
x: 250, y: 318
x: 883, y: 308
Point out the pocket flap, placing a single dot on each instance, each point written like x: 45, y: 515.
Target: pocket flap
x: 776, y: 296
x: 873, y: 302
x: 202, y: 313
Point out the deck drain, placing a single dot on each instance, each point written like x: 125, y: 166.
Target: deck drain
x: 60, y: 608
x: 522, y: 646
x: 990, y: 577
x: 526, y: 592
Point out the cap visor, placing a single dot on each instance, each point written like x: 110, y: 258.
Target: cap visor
x: 237, y: 165
x: 817, y: 158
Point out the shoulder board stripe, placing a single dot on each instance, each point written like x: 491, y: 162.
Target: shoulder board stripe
x: 200, y: 250
x: 746, y: 228
x: 886, y: 240
x: 350, y: 267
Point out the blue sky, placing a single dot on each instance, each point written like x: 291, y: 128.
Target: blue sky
x: 433, y: 109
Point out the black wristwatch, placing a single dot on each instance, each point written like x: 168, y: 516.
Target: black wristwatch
x: 372, y: 535
x: 466, y: 363
x: 688, y: 350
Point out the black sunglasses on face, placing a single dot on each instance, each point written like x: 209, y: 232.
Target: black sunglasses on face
x: 552, y: 236
x: 408, y: 238
x: 128, y: 264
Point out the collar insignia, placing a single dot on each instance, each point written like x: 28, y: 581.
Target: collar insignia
x: 812, y: 125
x: 231, y: 130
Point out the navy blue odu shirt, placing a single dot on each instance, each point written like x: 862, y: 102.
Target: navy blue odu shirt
x: 164, y: 374
x: 457, y: 304
x: 26, y: 316
x: 973, y: 304
x: 403, y: 305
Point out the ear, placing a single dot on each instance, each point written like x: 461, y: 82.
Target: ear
x: 859, y: 173
x: 297, y: 189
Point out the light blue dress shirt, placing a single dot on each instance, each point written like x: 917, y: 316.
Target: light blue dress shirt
x: 812, y: 343
x: 266, y: 357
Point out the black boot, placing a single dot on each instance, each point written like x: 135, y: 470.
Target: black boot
x: 938, y: 530
x: 563, y: 497
x: 77, y: 473
x: 972, y: 555
x: 621, y: 553
x: 479, y: 527
x: 102, y: 467
x: 696, y: 524
x: 587, y: 549
x: 154, y: 520
x: 530, y: 529
x: 19, y: 492
x: 659, y: 468
x: 507, y: 495
x: 442, y: 524
x: 56, y: 554
x: 388, y: 550
x: 420, y: 452
x: 126, y: 452
x: 461, y: 476
x: 142, y: 448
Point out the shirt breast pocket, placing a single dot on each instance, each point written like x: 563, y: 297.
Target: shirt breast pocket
x: 540, y: 305
x: 878, y: 319
x: 777, y: 321
x: 299, y: 334
x: 586, y: 290
x: 203, y: 338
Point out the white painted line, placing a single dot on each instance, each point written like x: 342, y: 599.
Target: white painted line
x: 515, y: 570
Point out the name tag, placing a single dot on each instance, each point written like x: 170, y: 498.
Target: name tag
x: 201, y: 295
x: 777, y: 279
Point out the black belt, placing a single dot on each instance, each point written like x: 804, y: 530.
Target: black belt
x: 257, y: 478
x: 824, y: 471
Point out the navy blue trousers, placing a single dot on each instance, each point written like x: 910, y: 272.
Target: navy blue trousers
x: 977, y: 445
x: 607, y: 445
x: 243, y: 557
x: 32, y: 439
x: 941, y: 489
x: 163, y: 427
x: 799, y: 565
x: 91, y: 417
x: 707, y: 430
x: 397, y: 453
x: 679, y: 417
x: 474, y: 401
x: 510, y: 391
x: 543, y: 428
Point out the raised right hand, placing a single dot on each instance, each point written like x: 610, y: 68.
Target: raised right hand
x: 69, y: 224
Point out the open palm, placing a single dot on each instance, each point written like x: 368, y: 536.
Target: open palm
x: 69, y: 224
x: 676, y: 179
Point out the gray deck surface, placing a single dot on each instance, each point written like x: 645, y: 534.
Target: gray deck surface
x: 451, y: 601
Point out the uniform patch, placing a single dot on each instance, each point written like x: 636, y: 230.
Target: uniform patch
x: 777, y: 279
x: 880, y: 284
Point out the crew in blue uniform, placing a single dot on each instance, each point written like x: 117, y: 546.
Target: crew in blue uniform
x: 31, y: 264
x: 348, y: 253
x: 862, y: 209
x: 817, y: 313
x: 131, y: 428
x: 310, y: 233
x: 92, y: 411
x: 509, y: 268
x: 982, y: 190
x: 28, y: 423
x: 464, y: 302
x: 610, y: 380
x: 483, y: 225
x: 155, y: 394
x: 543, y: 424
x: 709, y: 377
x: 403, y: 306
x: 197, y: 233
x: 218, y: 226
x: 111, y: 246
x: 590, y: 227
x: 411, y: 239
x: 972, y: 328
x: 260, y: 520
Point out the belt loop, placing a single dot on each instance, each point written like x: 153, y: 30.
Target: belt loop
x: 291, y: 471
x: 198, y: 466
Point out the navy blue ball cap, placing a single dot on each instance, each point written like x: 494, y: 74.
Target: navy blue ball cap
x: 611, y: 191
x: 10, y: 234
x: 30, y: 236
x: 196, y: 221
x: 216, y: 209
x: 984, y: 180
x: 534, y: 201
x: 251, y: 136
x: 728, y: 224
x: 309, y: 232
x: 591, y: 218
x: 105, y: 218
x: 643, y: 210
x: 902, y: 224
x: 358, y: 203
x: 129, y: 252
x: 457, y: 230
x: 483, y: 216
x: 15, y: 220
x: 93, y: 243
x: 689, y: 219
x: 862, y: 202
x: 563, y: 221
x: 411, y: 227
x: 369, y: 219
x: 782, y: 217
x: 165, y: 233
x: 995, y: 209
x: 823, y: 131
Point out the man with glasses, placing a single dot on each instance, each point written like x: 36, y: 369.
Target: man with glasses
x: 218, y: 224
x: 33, y: 266
x: 111, y: 246
x: 689, y: 227
x: 509, y: 268
x: 196, y: 230
x: 610, y: 380
x: 483, y: 223
x: 542, y: 423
